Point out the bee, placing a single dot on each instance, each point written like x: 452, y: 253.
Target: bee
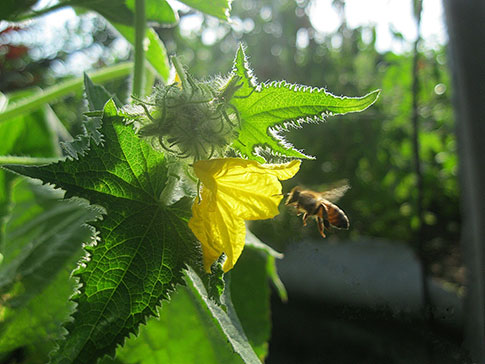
x: 319, y: 205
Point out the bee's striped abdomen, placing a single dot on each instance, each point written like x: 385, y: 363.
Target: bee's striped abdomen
x: 336, y: 217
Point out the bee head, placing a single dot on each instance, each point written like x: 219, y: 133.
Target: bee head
x: 293, y: 196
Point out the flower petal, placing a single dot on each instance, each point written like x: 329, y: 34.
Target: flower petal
x: 218, y: 231
x: 234, y: 190
x: 251, y: 189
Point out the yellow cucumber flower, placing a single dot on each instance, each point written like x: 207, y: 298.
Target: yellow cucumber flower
x: 234, y: 190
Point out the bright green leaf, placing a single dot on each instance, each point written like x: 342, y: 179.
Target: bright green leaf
x: 219, y: 8
x: 275, y: 278
x: 113, y: 10
x: 157, y: 11
x: 253, y: 242
x: 96, y: 96
x: 156, y: 54
x: 225, y: 316
x: 267, y: 109
x: 27, y: 135
x: 184, y: 333
x: 179, y: 183
x: 251, y: 298
x: 3, y: 101
x: 142, y: 245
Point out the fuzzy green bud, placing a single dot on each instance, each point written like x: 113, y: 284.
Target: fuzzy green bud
x: 192, y: 118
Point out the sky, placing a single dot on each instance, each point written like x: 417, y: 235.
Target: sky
x: 385, y: 15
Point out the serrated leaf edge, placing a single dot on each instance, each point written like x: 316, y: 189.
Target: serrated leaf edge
x: 241, y: 57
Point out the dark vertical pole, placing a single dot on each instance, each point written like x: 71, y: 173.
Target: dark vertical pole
x: 466, y: 28
x: 420, y: 243
x: 420, y: 240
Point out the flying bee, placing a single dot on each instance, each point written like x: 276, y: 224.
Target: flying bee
x: 319, y: 205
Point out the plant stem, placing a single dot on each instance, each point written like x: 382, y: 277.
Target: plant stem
x: 40, y: 98
x: 180, y: 72
x: 140, y: 25
x: 26, y: 161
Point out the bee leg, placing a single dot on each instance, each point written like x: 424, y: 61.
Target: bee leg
x: 305, y: 216
x: 320, y: 226
x: 322, y: 219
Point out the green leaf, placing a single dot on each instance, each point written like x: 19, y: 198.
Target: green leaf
x: 184, y: 333
x: 156, y: 54
x: 267, y: 109
x: 142, y: 244
x: 38, y: 237
x: 225, y: 317
x: 179, y: 182
x: 34, y: 326
x: 112, y: 10
x: 204, y: 325
x: 5, y: 196
x: 44, y: 236
x: 214, y: 281
x: 23, y: 135
x: 193, y: 328
x: 3, y: 101
x: 122, y: 11
x: 96, y: 96
x: 219, y: 8
x: 28, y: 135
x: 157, y: 11
x: 251, y: 298
x: 275, y: 278
x: 253, y: 242
x: 118, y: 11
x: 10, y: 9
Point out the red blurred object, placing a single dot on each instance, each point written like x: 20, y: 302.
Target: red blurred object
x: 13, y: 51
x: 17, y: 70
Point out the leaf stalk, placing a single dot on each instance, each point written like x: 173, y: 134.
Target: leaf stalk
x: 45, y: 96
x: 139, y: 66
x: 26, y: 161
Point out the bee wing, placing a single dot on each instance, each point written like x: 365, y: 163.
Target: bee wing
x: 334, y: 194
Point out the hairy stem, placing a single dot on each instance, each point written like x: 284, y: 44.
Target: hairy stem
x: 26, y: 161
x: 139, y: 68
